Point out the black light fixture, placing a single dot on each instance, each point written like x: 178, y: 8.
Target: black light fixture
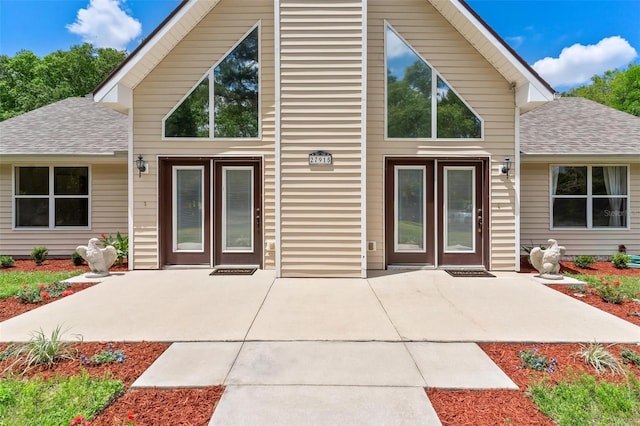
x: 506, y: 166
x: 141, y: 165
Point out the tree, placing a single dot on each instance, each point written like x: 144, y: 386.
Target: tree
x: 28, y: 82
x: 619, y: 89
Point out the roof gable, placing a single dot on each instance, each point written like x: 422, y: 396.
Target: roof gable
x: 73, y: 126
x: 578, y: 126
x: 116, y: 90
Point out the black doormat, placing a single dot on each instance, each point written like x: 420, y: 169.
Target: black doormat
x: 468, y: 273
x: 233, y: 271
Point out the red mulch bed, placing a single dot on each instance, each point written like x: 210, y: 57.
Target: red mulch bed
x: 454, y: 407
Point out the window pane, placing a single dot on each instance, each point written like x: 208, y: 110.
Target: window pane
x: 238, y: 209
x: 408, y: 91
x: 410, y: 219
x: 455, y: 119
x: 570, y: 180
x: 610, y: 212
x: 32, y: 212
x: 188, y: 210
x: 459, y: 224
x: 32, y: 181
x: 609, y: 180
x: 236, y: 91
x: 191, y: 118
x: 570, y: 212
x: 72, y: 211
x: 71, y: 181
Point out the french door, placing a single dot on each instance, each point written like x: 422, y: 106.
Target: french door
x: 435, y: 212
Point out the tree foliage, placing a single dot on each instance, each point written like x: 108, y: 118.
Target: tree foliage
x: 28, y: 82
x: 619, y: 89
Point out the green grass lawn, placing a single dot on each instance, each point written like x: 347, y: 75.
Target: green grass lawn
x: 12, y: 282
x: 54, y: 402
x: 629, y: 286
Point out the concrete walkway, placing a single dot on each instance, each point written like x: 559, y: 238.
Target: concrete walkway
x: 323, y: 351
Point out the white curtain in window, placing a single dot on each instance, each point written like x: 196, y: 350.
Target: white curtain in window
x: 555, y: 172
x: 613, y: 176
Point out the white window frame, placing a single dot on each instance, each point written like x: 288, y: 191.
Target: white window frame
x: 51, y: 197
x: 589, y: 197
x: 434, y: 100
x: 209, y: 75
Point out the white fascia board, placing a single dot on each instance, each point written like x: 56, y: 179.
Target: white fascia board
x: 144, y: 50
x: 529, y: 96
x: 526, y: 73
x: 120, y: 98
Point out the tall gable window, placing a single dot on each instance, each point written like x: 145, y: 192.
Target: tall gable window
x: 420, y: 104
x: 232, y: 88
x: 51, y: 197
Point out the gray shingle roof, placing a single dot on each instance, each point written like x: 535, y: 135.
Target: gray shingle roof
x: 578, y: 126
x: 71, y: 126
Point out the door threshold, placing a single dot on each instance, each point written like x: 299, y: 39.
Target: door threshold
x: 410, y: 266
x: 186, y: 267
x: 464, y: 267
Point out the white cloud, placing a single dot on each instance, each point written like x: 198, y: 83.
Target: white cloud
x: 104, y: 24
x: 577, y: 64
x: 396, y: 47
x: 515, y: 41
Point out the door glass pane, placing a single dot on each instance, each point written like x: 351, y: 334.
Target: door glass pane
x: 410, y: 209
x: 237, y: 209
x: 188, y: 209
x: 459, y: 218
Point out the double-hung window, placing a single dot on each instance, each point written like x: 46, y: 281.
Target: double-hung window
x: 589, y: 197
x: 51, y: 197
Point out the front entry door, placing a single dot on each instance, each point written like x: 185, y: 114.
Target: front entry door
x: 185, y: 213
x: 409, y: 212
x: 462, y: 228
x: 237, y: 213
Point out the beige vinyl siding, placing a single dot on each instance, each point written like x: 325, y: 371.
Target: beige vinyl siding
x: 166, y: 85
x: 476, y: 81
x: 535, y: 214
x: 108, y: 211
x: 321, y: 91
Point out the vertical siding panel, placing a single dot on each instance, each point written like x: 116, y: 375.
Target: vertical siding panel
x: 488, y: 93
x: 321, y: 91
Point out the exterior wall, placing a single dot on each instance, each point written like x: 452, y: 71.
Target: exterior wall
x: 166, y: 85
x: 321, y: 109
x: 476, y: 81
x: 108, y: 210
x: 535, y: 215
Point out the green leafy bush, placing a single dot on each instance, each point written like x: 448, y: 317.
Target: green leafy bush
x: 105, y: 357
x: 630, y: 357
x: 36, y: 294
x: 620, y: 260
x: 609, y: 292
x: 120, y: 243
x: 536, y: 361
x: 7, y: 261
x: 583, y: 261
x: 39, y: 254
x: 76, y: 259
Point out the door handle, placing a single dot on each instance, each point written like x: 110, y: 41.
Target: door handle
x: 479, y: 215
x: 258, y: 218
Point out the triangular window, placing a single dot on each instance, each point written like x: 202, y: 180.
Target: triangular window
x: 235, y: 98
x: 418, y: 108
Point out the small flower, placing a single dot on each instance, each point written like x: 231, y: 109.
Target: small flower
x: 130, y: 416
x: 25, y: 286
x: 67, y: 293
x: 605, y: 283
x: 616, y: 283
x: 44, y: 294
x: 41, y: 286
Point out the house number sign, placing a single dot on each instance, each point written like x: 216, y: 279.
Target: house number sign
x: 320, y: 158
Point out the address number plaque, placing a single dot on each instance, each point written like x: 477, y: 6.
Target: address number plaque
x: 321, y: 158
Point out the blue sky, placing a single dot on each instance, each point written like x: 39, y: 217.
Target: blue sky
x: 578, y: 38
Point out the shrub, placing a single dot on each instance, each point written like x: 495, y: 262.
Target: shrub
x: 620, y: 260
x: 42, y: 292
x: 39, y: 254
x: 7, y: 261
x: 600, y: 358
x: 105, y: 357
x: 41, y: 350
x: 583, y: 261
x: 609, y: 292
x: 76, y: 259
x: 536, y: 361
x: 120, y: 243
x: 630, y: 357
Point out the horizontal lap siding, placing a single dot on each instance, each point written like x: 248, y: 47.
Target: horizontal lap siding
x: 166, y: 85
x: 108, y: 213
x: 321, y: 82
x: 476, y: 81
x: 535, y: 212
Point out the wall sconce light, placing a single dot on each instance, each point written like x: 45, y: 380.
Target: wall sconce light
x: 141, y: 165
x: 506, y: 166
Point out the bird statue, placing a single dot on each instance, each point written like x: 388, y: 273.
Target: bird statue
x: 547, y: 262
x: 99, y: 259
